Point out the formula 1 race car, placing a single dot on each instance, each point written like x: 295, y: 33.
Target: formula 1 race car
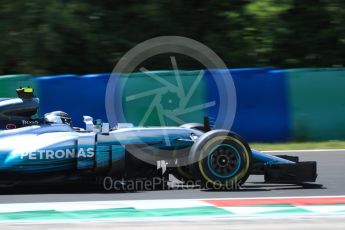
x: 51, y: 149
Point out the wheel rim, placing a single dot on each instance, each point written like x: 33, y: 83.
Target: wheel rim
x: 224, y: 161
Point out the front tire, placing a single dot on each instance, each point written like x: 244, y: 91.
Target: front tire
x: 221, y: 160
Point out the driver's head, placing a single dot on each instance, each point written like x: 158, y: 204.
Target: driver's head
x: 58, y: 117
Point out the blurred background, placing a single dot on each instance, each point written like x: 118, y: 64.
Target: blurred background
x: 75, y: 36
x: 286, y: 59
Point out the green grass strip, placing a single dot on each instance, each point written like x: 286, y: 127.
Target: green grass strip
x: 299, y: 145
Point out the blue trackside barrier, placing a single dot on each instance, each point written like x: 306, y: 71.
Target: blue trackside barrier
x: 76, y: 95
x: 262, y: 112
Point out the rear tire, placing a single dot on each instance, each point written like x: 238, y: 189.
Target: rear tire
x: 221, y: 159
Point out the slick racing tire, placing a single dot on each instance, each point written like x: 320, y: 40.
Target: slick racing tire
x: 221, y: 160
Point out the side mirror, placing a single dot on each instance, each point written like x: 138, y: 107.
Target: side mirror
x: 105, y: 128
x: 88, y: 123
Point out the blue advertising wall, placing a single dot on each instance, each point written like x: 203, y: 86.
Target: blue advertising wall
x: 262, y: 105
x: 261, y: 113
x: 272, y: 104
x: 76, y: 95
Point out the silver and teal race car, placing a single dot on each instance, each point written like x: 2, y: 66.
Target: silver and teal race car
x: 50, y: 149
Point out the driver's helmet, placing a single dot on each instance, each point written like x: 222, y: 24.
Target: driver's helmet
x: 58, y: 117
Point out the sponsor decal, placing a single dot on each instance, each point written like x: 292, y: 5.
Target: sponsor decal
x: 26, y: 122
x: 48, y: 154
x: 11, y: 126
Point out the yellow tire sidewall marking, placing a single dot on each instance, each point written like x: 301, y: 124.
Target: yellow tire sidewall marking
x: 222, y: 138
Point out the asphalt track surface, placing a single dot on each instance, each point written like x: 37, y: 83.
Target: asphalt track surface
x: 330, y: 181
